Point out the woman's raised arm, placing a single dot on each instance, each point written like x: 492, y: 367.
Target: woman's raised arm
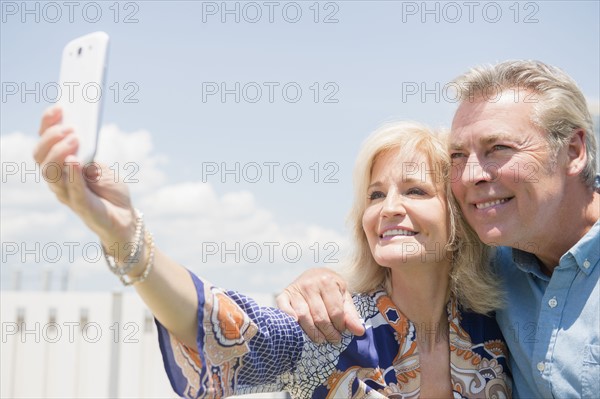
x: 104, y: 205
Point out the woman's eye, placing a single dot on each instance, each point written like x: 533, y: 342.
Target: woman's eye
x: 457, y: 156
x: 415, y: 191
x: 376, y: 195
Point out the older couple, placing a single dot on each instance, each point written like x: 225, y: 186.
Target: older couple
x: 521, y: 169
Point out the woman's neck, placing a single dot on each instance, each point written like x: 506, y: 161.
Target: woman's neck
x: 422, y: 293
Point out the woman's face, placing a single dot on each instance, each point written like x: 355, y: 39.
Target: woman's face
x: 406, y: 218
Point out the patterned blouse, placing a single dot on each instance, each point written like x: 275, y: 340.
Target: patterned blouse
x: 244, y: 348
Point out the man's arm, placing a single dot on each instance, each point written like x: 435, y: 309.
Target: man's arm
x: 320, y: 301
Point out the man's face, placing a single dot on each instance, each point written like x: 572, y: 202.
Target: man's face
x: 503, y: 174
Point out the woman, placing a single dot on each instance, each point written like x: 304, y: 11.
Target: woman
x: 413, y: 267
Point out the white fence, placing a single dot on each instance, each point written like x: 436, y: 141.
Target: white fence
x: 81, y: 345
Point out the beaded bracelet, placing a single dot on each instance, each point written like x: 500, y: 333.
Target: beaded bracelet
x: 140, y: 236
x: 147, y: 268
x: 136, y: 250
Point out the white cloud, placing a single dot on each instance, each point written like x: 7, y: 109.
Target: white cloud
x: 203, y: 230
x: 182, y: 199
x: 132, y: 155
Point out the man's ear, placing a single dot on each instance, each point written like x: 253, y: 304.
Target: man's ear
x: 576, y: 153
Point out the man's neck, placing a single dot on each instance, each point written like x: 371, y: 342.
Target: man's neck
x: 576, y: 220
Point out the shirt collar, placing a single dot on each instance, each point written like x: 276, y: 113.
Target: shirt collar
x: 587, y: 250
x: 528, y: 263
x: 586, y: 253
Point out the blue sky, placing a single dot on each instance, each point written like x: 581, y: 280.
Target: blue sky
x: 353, y: 73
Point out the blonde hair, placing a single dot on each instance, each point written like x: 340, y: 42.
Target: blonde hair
x: 471, y: 280
x: 560, y: 107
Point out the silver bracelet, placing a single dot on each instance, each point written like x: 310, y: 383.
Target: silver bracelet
x: 147, y: 269
x: 136, y: 250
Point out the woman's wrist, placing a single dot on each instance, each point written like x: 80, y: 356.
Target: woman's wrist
x: 131, y: 257
x: 118, y: 235
x: 143, y: 265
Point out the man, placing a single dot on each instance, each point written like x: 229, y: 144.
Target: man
x: 524, y: 170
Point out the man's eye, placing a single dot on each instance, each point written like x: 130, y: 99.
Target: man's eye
x: 499, y: 147
x: 376, y: 195
x: 457, y: 155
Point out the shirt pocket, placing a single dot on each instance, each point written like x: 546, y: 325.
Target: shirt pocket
x: 590, y: 376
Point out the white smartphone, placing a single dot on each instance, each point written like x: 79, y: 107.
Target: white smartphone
x: 82, y: 75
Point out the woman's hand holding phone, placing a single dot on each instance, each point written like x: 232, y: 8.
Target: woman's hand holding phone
x: 91, y: 190
x: 68, y: 136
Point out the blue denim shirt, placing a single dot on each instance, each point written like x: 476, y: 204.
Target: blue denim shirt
x: 552, y: 324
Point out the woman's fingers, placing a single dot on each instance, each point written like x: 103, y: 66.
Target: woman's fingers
x: 53, y: 166
x: 75, y: 185
x: 51, y: 116
x: 50, y: 137
x: 58, y: 153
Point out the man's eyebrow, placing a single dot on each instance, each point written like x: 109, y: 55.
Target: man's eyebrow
x: 488, y: 139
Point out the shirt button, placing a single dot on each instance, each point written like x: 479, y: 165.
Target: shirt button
x: 541, y: 366
x: 586, y: 264
x: 552, y: 302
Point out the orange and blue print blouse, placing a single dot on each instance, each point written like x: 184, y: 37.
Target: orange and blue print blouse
x: 244, y: 348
